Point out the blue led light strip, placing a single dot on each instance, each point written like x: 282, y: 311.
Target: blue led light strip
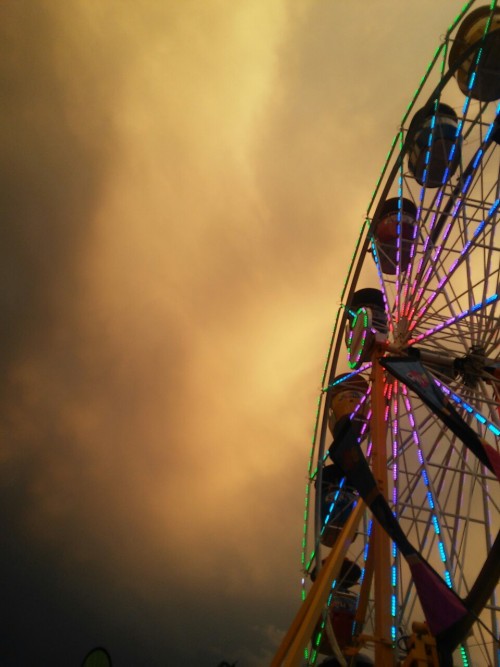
x: 468, y: 408
x: 332, y: 506
x: 363, y: 567
x: 395, y: 499
x: 347, y: 377
x: 430, y: 142
x: 399, y: 237
x: 429, y: 495
x: 383, y: 289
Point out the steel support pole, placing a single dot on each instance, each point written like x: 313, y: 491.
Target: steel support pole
x: 380, y: 541
x: 291, y: 651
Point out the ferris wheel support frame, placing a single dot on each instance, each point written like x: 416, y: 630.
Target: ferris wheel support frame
x: 291, y: 650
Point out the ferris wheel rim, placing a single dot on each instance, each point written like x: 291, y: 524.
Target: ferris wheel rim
x: 351, y: 284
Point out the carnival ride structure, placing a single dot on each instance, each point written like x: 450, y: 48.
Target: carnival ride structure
x: 401, y: 543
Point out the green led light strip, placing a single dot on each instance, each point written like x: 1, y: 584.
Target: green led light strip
x: 353, y: 363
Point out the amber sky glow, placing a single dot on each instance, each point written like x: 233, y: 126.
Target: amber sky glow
x: 183, y: 183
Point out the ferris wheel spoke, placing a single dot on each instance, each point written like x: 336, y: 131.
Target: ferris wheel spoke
x: 450, y: 301
x: 452, y: 269
x: 450, y: 304
x: 446, y: 325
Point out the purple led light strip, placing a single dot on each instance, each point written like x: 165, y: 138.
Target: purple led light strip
x: 456, y: 318
x: 423, y: 281
x: 456, y: 263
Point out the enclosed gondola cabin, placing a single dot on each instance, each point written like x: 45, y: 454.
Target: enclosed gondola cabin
x: 366, y: 323
x: 347, y: 397
x: 337, y: 503
x: 342, y: 614
x: 395, y: 233
x: 342, y: 609
x: 478, y: 78
x: 435, y: 147
x: 372, y: 298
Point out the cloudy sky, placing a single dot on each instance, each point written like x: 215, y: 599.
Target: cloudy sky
x: 182, y: 185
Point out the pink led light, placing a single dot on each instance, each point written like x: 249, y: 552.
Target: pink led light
x: 395, y: 430
x: 405, y: 295
x: 388, y: 387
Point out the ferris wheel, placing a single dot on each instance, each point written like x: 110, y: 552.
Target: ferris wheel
x: 401, y: 543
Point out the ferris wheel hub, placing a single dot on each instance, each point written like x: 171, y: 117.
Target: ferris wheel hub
x: 401, y: 333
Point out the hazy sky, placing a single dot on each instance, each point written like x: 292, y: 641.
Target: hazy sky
x: 182, y: 186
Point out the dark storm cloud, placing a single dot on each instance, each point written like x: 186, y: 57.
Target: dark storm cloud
x: 52, y: 166
x: 57, y: 142
x: 65, y: 375
x: 98, y: 493
x: 69, y: 398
